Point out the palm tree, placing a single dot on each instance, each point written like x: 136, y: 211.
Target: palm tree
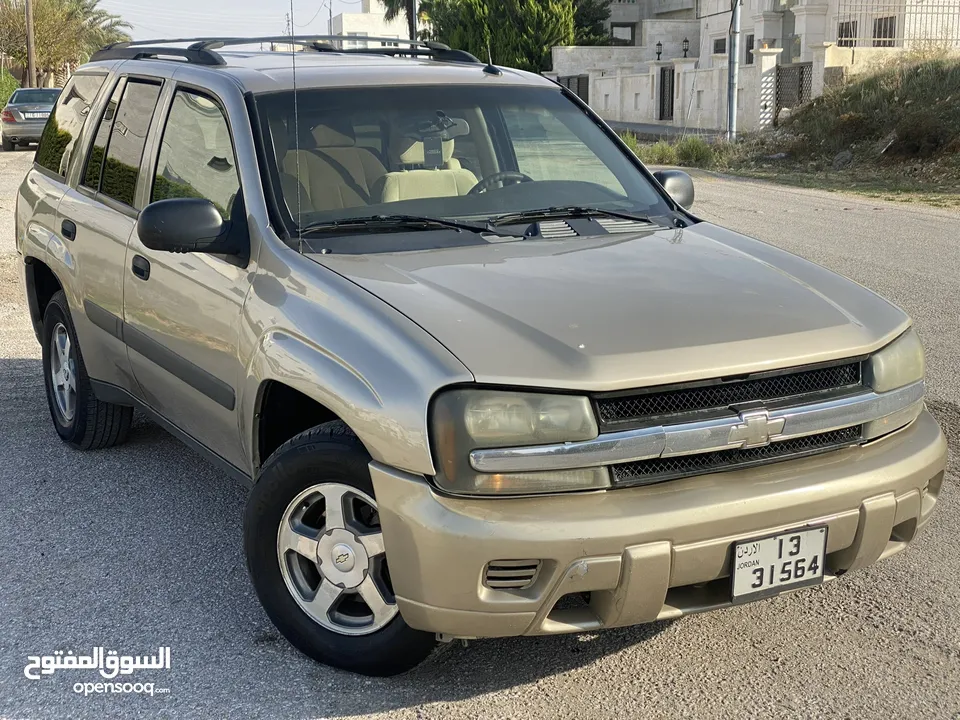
x: 409, y: 10
x: 99, y: 27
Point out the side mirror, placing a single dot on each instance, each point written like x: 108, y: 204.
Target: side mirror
x: 185, y: 225
x: 678, y: 185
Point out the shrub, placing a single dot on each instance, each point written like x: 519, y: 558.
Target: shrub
x: 660, y: 153
x: 694, y: 151
x: 631, y: 142
x: 7, y: 85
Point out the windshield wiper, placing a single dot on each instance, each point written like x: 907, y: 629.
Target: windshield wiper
x: 563, y: 211
x: 377, y: 222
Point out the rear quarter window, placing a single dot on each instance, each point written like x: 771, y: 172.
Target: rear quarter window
x: 66, y: 121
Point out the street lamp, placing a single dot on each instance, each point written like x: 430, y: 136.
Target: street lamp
x: 686, y: 46
x: 659, y: 49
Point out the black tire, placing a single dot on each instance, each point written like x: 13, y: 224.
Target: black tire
x: 8, y: 145
x: 334, y: 452
x: 95, y: 424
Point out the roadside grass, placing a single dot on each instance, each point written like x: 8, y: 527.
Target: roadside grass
x: 893, y: 134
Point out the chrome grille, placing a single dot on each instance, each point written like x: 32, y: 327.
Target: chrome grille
x: 647, y: 472
x: 637, y: 406
x: 511, y: 574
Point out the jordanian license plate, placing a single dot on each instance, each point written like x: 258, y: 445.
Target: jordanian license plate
x: 36, y: 115
x: 771, y: 565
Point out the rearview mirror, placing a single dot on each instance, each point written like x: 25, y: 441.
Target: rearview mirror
x: 678, y: 185
x: 185, y: 225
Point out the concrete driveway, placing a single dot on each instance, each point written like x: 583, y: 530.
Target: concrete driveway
x: 140, y: 546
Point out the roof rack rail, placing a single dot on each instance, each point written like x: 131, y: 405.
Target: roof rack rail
x: 201, y: 49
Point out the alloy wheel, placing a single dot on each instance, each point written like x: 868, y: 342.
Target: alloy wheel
x: 63, y: 373
x: 331, y: 554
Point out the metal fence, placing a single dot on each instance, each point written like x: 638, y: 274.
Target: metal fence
x: 909, y: 24
x: 794, y: 87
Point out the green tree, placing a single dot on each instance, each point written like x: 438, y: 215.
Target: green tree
x: 66, y: 32
x: 589, y: 17
x: 518, y: 33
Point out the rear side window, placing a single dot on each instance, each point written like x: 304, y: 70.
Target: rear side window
x: 66, y: 121
x: 113, y: 165
x: 91, y: 173
x: 196, y: 154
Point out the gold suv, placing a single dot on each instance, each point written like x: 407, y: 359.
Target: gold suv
x: 485, y: 373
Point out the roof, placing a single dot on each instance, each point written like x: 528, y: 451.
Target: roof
x: 321, y: 64
x: 270, y: 71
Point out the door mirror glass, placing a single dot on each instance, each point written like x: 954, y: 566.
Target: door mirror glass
x: 185, y: 225
x: 678, y: 185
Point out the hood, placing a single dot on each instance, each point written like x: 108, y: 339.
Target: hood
x: 616, y: 312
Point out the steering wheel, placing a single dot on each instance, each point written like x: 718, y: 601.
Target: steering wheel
x: 504, y: 176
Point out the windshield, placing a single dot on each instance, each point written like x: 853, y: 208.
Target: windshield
x: 451, y: 152
x: 37, y: 96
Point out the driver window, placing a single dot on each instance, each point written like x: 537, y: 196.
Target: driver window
x: 536, y: 136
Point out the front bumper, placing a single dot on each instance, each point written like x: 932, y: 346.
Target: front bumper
x: 646, y: 553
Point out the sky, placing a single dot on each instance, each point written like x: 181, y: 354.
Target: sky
x: 190, y: 18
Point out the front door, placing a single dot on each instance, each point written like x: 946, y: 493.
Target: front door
x: 666, y: 93
x: 182, y: 310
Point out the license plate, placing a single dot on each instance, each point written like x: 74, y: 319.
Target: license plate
x: 776, y: 563
x: 36, y: 115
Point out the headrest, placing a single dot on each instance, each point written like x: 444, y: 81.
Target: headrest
x: 407, y: 151
x: 332, y: 134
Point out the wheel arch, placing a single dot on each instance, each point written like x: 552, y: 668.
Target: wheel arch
x: 42, y: 284
x: 291, y: 381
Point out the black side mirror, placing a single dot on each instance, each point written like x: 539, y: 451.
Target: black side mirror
x: 186, y: 225
x: 678, y: 185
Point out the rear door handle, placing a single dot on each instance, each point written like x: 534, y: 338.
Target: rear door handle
x: 141, y: 267
x: 69, y: 229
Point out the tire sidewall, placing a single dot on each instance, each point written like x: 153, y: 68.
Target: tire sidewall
x: 305, y: 462
x: 57, y: 312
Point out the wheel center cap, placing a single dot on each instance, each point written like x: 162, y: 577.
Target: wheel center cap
x: 343, y: 557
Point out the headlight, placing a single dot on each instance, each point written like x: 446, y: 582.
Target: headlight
x: 466, y: 419
x: 899, y: 363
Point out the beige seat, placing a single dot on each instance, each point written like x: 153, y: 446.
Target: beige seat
x: 450, y: 180
x: 334, y: 172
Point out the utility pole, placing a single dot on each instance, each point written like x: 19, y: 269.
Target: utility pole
x: 412, y: 18
x: 733, y: 79
x: 31, y: 51
x: 330, y: 21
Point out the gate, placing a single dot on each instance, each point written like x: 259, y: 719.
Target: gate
x: 794, y: 86
x: 666, y: 93
x: 578, y: 84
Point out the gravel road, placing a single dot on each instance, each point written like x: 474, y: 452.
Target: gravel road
x: 140, y: 546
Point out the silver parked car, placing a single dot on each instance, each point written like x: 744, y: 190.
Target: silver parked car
x: 25, y: 115
x: 486, y: 374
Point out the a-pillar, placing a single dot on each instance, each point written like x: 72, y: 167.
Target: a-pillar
x: 766, y: 62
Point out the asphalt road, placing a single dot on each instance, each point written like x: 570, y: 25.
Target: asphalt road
x: 140, y: 546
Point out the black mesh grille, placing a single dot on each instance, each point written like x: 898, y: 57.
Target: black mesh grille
x: 632, y: 408
x: 645, y: 472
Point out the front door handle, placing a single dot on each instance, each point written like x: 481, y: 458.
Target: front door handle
x: 69, y: 229
x: 141, y: 267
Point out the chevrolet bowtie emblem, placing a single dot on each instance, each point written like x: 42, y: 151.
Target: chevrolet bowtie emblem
x: 754, y: 430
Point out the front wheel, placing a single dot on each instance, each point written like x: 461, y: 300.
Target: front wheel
x: 316, y: 556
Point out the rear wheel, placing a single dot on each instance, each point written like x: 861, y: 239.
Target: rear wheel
x: 8, y: 145
x: 79, y: 417
x: 316, y: 556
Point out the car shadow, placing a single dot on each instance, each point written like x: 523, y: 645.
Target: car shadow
x: 140, y: 546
